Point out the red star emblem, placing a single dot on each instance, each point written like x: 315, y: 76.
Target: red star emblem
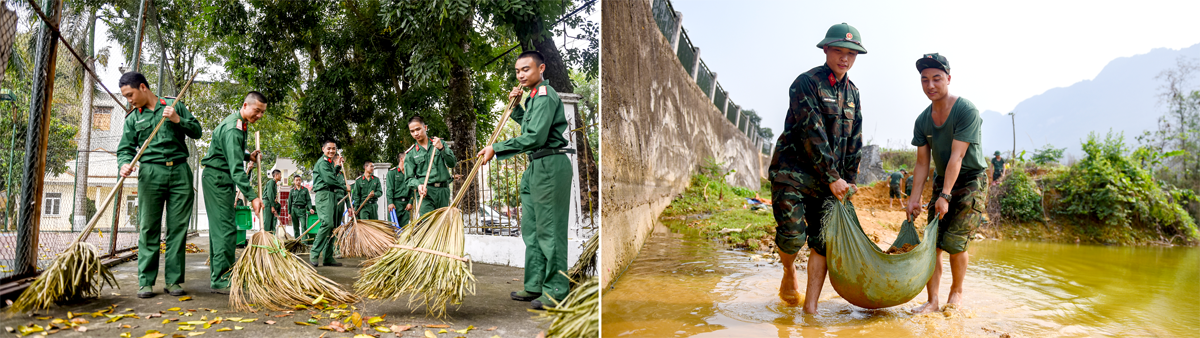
x: 849, y: 36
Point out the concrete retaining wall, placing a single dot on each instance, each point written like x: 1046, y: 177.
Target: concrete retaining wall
x: 658, y: 127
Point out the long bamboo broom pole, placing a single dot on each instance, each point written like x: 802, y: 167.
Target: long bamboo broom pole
x: 258, y: 167
x: 121, y: 182
x: 346, y: 176
x: 428, y: 170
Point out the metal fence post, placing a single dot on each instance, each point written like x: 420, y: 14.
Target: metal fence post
x: 37, y: 133
x: 712, y: 92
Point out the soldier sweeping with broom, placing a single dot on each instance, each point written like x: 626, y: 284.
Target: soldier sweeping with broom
x: 330, y: 186
x: 545, y: 185
x: 164, y: 180
x: 367, y: 191
x: 428, y: 169
x: 222, y: 172
x: 299, y: 206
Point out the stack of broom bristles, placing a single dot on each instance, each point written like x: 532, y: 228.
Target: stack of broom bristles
x: 364, y: 238
x: 586, y: 265
x: 267, y: 275
x: 429, y: 268
x: 578, y: 315
x: 75, y: 274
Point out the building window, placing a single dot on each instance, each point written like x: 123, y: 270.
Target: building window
x: 101, y: 117
x: 53, y: 204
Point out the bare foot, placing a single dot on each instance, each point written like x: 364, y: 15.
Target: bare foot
x: 955, y: 299
x: 812, y: 310
x: 927, y: 308
x: 788, y: 290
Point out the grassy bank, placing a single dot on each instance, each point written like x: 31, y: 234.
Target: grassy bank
x: 717, y: 210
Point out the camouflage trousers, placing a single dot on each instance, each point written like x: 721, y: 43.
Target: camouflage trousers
x: 797, y: 218
x: 893, y: 191
x: 968, y: 198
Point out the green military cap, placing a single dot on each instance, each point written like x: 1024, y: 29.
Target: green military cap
x: 934, y: 60
x: 997, y: 153
x: 843, y: 35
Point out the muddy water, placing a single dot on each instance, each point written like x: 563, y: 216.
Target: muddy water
x: 683, y: 286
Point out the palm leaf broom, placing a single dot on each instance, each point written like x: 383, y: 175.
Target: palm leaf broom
x: 586, y: 265
x: 78, y: 273
x: 364, y: 238
x: 579, y: 313
x: 267, y: 275
x: 427, y: 262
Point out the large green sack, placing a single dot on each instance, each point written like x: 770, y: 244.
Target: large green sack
x: 863, y: 274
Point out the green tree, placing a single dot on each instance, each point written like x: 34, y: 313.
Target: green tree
x: 1177, y: 138
x: 1048, y: 154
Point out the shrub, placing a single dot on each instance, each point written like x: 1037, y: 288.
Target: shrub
x: 1020, y: 198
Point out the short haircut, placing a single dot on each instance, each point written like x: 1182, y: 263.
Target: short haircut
x: 256, y: 96
x: 537, y: 56
x: 296, y: 177
x: 276, y: 171
x: 133, y: 79
x: 328, y: 141
x: 368, y: 163
x: 416, y: 118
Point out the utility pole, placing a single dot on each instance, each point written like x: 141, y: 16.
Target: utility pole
x: 85, y: 134
x: 1014, y: 124
x: 36, y: 140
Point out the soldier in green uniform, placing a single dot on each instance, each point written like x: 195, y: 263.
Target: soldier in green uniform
x: 894, y: 186
x: 545, y: 184
x: 299, y: 206
x: 164, y: 181
x: 436, y: 194
x: 997, y: 167
x: 222, y: 173
x: 271, y: 201
x: 367, y: 190
x: 330, y: 187
x: 398, y: 193
x: 816, y: 159
x: 949, y: 130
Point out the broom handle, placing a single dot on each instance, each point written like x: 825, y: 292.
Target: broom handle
x: 346, y: 176
x: 258, y: 166
x: 318, y: 220
x: 432, y: 156
x: 120, y: 182
x: 462, y: 191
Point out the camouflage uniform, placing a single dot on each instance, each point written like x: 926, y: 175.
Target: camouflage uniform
x: 894, y: 185
x: 819, y: 144
x: 965, y: 211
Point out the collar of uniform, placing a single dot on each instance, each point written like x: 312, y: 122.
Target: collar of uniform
x: 160, y: 101
x: 833, y: 82
x: 328, y: 159
x: 534, y: 91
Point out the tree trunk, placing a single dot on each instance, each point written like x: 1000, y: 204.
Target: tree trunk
x: 460, y: 117
x: 556, y: 69
x: 85, y: 137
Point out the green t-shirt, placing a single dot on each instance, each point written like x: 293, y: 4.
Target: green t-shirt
x: 963, y: 124
x: 896, y: 176
x: 997, y: 164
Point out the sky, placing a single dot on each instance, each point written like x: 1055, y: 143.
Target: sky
x: 1000, y: 53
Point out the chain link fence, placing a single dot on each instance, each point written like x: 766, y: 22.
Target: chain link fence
x: 85, y: 128
x: 669, y: 23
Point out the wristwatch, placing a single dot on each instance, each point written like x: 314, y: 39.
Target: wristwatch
x: 946, y: 196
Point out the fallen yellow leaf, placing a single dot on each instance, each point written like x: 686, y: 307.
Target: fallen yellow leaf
x: 248, y: 320
x: 375, y: 319
x: 173, y: 309
x: 429, y: 334
x: 224, y: 329
x: 126, y: 335
x: 318, y: 300
x: 187, y: 328
x: 185, y: 298
x: 195, y: 333
x: 383, y: 329
x: 303, y: 323
x: 237, y: 327
x: 442, y: 331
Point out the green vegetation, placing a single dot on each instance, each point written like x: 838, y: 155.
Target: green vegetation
x: 1110, y: 187
x: 712, y: 207
x: 1020, y: 198
x: 1048, y: 154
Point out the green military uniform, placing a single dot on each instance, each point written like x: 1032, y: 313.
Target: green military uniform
x: 997, y: 167
x: 363, y: 187
x: 223, y: 172
x: 398, y: 194
x: 164, y: 180
x: 894, y: 185
x: 820, y: 144
x: 270, y: 201
x: 416, y: 164
x: 330, y: 188
x: 299, y: 205
x: 969, y: 194
x: 545, y: 189
x: 908, y: 182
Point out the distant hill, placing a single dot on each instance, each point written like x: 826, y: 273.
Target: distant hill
x: 1122, y: 97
